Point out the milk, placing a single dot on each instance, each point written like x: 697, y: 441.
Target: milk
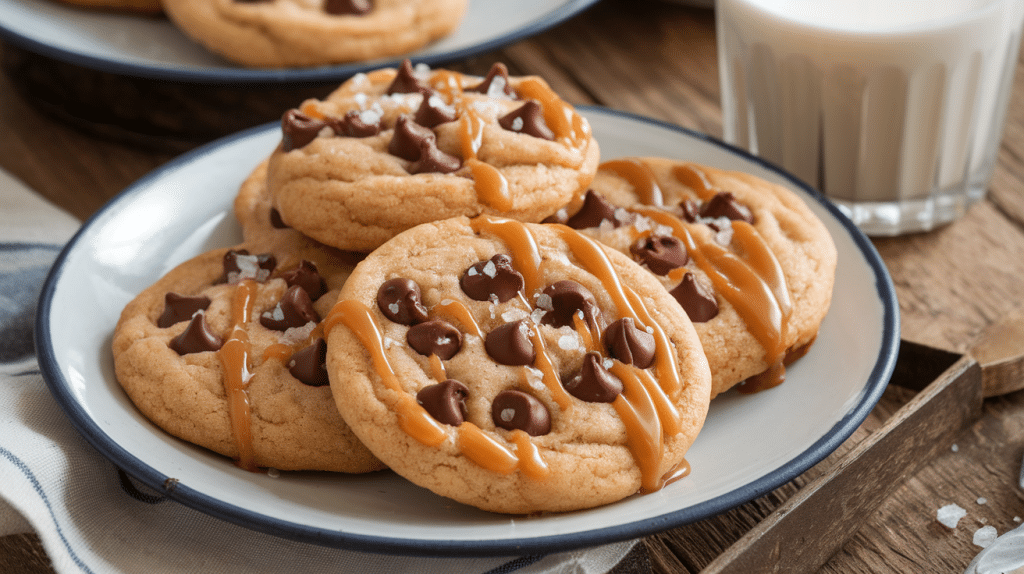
x: 893, y: 108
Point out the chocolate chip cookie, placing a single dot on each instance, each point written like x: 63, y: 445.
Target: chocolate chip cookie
x: 226, y: 351
x: 747, y: 259
x: 516, y: 367
x: 394, y: 148
x: 294, y: 33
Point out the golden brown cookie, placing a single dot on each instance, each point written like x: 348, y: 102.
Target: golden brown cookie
x: 226, y: 351
x: 516, y: 367
x: 292, y: 33
x: 389, y: 150
x: 748, y: 260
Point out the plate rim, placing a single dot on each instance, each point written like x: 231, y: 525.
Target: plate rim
x: 873, y: 388
x: 230, y: 75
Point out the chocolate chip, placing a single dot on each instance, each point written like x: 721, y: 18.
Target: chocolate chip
x: 492, y: 278
x: 435, y: 337
x: 691, y: 210
x: 529, y: 120
x: 406, y: 82
x: 275, y: 219
x: 354, y: 124
x: 433, y: 111
x: 594, y: 383
x: 510, y: 344
x: 298, y: 129
x: 696, y: 299
x: 178, y: 308
x: 724, y: 204
x: 408, y: 138
x: 347, y: 7
x: 196, y: 338
x: 661, y: 253
x: 594, y: 210
x: 516, y: 410
x: 433, y: 160
x: 305, y: 275
x: 567, y: 298
x: 308, y: 365
x: 401, y: 301
x: 295, y: 309
x: 445, y: 401
x: 630, y: 344
x: 239, y: 265
x: 495, y: 83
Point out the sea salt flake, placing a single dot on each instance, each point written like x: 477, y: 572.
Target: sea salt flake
x: 517, y: 125
x: 508, y: 414
x: 393, y: 307
x: 607, y: 363
x: 421, y: 70
x: 621, y: 215
x: 985, y: 536
x: 569, y: 342
x: 513, y: 314
x: 295, y: 335
x: 369, y: 116
x: 982, y: 500
x: 535, y: 378
x: 538, y: 315
x: 388, y: 342
x: 361, y: 99
x: 950, y: 515
x: 490, y: 269
x: 544, y: 302
x: 359, y: 79
x: 497, y: 88
x: 955, y: 448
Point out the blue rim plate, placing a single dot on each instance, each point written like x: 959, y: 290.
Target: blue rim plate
x: 750, y: 445
x: 153, y: 48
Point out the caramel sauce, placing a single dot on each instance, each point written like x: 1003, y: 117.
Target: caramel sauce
x: 643, y: 431
x: 491, y: 187
x: 531, y: 463
x: 563, y: 120
x: 458, y: 311
x: 471, y: 134
x: 590, y: 334
x: 234, y: 355
x: 736, y: 281
x: 667, y: 411
x: 437, y: 369
x: 639, y: 175
x: 485, y: 451
x: 696, y: 180
x: 550, y: 377
x: 682, y: 470
x: 521, y: 244
x: 412, y: 418
x: 772, y: 377
x: 278, y: 351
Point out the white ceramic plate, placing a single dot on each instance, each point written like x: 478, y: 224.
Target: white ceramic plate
x: 154, y: 48
x: 750, y: 445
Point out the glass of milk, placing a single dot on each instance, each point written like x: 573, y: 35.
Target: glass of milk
x: 893, y: 108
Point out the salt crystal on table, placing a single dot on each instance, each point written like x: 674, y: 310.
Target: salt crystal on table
x: 984, y: 536
x: 950, y: 515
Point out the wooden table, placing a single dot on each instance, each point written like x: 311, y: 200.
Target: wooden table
x: 652, y: 58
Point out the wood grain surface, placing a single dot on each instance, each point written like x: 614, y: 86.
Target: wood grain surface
x: 65, y: 137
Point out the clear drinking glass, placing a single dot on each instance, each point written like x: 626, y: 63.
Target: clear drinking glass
x: 894, y: 109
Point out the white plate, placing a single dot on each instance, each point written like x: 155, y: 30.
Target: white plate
x: 154, y: 48
x: 750, y: 445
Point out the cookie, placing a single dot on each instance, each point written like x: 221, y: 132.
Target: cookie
x: 294, y: 33
x: 389, y: 150
x: 225, y: 351
x: 747, y: 259
x: 516, y: 367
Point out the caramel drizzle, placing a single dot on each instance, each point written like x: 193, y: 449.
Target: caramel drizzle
x: 643, y: 429
x: 589, y: 333
x: 459, y: 312
x: 696, y: 180
x: 550, y: 377
x: 234, y: 355
x: 485, y: 451
x: 278, y: 351
x: 563, y: 120
x: 738, y: 283
x: 521, y: 244
x: 412, y: 418
x: 437, y: 368
x: 531, y: 462
x: 640, y: 176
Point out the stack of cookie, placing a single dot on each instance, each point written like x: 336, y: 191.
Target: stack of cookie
x: 438, y: 276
